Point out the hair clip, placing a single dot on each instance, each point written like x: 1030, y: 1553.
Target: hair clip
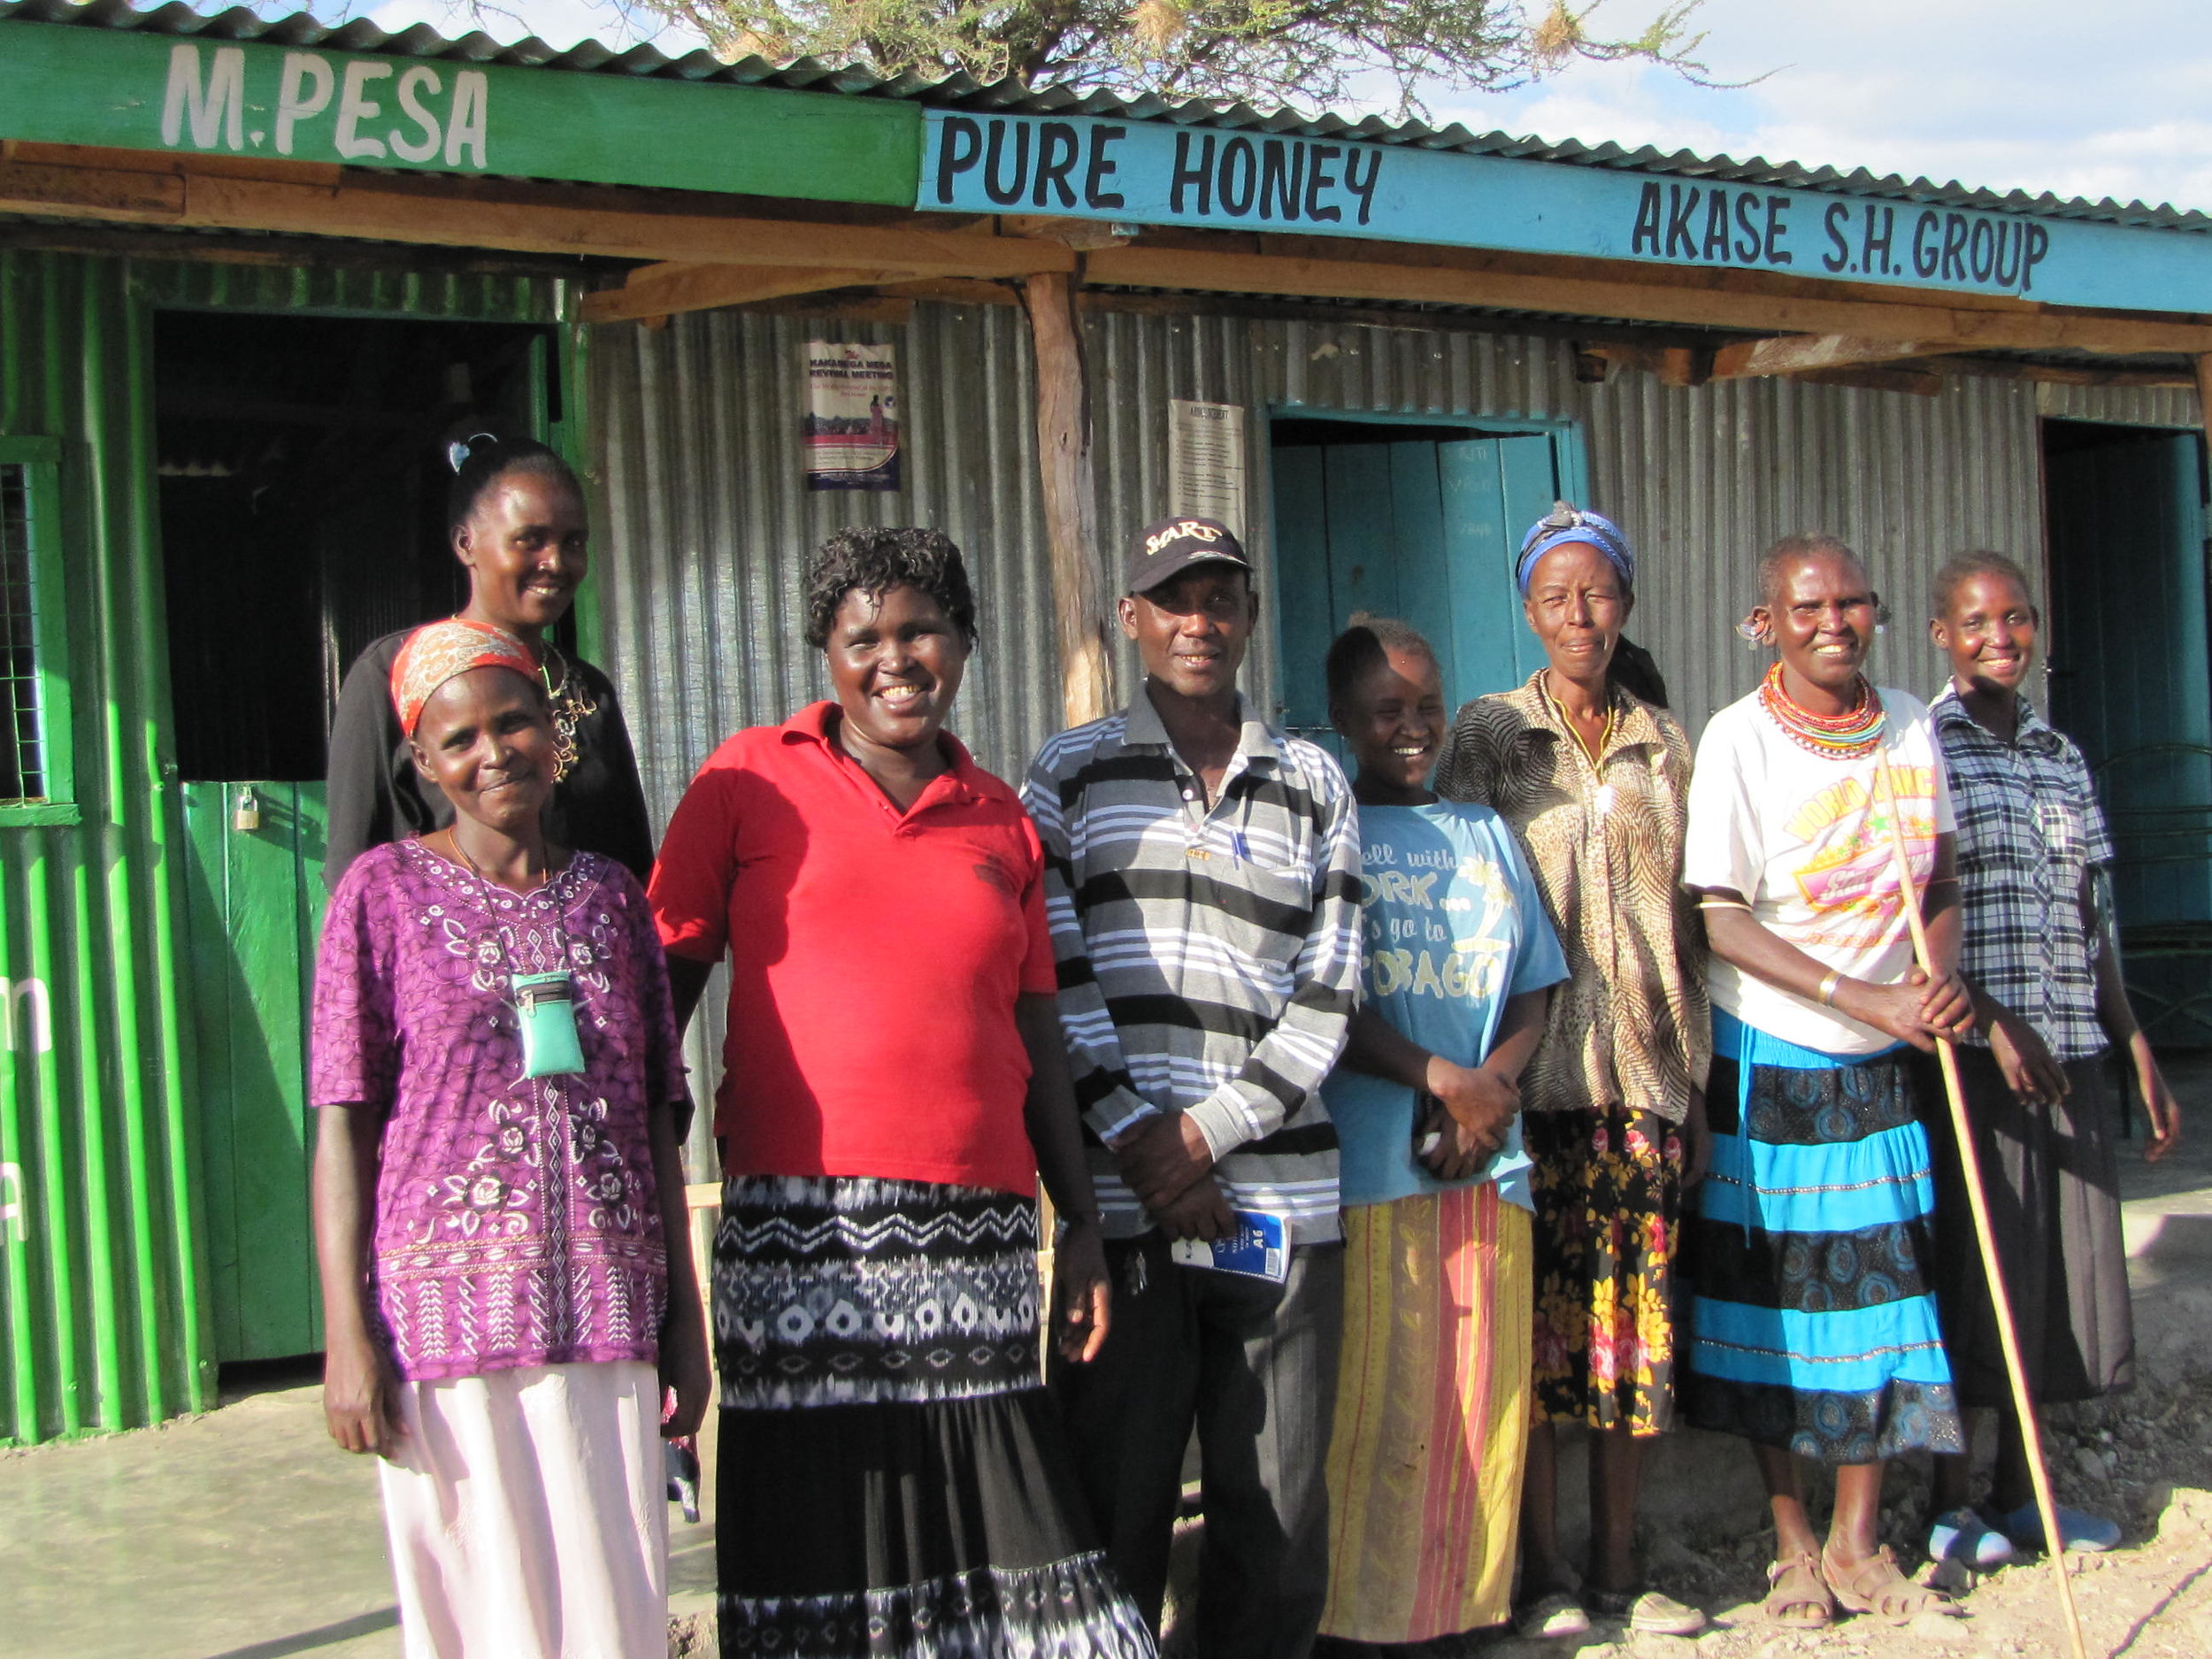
x: 458, y: 452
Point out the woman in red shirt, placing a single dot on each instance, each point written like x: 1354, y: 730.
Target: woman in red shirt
x: 891, y: 1477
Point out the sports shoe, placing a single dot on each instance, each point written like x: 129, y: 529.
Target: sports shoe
x: 1551, y: 1618
x: 1961, y: 1535
x: 1647, y: 1611
x: 2090, y: 1533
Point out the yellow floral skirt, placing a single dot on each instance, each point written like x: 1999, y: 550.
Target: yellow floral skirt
x: 1431, y: 1416
x: 1609, y: 1198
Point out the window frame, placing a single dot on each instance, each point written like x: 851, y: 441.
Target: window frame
x: 41, y: 459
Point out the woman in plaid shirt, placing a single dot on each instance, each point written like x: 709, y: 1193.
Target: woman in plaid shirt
x: 2040, y: 955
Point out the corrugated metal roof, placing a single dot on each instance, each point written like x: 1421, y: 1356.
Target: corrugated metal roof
x: 962, y: 91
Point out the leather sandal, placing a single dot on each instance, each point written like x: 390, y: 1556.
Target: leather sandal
x: 1798, y: 1597
x: 1876, y: 1586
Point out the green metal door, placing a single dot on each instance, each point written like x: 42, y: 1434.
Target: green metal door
x: 253, y: 904
x: 1417, y: 528
x: 298, y: 467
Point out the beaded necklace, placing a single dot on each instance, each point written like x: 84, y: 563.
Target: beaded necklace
x: 1847, y: 736
x: 572, y: 703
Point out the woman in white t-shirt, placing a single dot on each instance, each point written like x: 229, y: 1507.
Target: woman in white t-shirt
x: 1815, y: 1331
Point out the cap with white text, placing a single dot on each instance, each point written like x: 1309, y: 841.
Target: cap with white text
x: 1165, y: 550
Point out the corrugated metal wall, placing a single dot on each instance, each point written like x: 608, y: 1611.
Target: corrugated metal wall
x: 2123, y: 406
x: 705, y: 523
x: 101, y: 1292
x: 1701, y: 479
x: 706, y: 512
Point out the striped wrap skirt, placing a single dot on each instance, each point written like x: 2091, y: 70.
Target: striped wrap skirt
x: 1814, y: 1320
x: 1431, y: 1416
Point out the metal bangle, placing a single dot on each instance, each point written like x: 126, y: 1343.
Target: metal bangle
x: 1827, y: 992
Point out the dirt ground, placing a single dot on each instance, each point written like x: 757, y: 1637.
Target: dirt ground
x: 2144, y: 1458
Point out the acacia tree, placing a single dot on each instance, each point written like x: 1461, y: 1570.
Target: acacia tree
x: 1264, y: 51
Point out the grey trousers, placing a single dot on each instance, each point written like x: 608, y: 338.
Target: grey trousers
x: 1251, y: 1364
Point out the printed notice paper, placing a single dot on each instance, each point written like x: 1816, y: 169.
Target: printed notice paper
x: 852, y: 417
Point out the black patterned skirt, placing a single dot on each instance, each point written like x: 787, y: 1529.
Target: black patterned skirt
x: 893, y: 1478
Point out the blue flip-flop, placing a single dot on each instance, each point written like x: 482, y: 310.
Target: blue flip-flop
x: 2092, y: 1533
x: 1961, y: 1535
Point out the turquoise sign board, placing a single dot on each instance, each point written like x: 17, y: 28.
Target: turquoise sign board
x: 1157, y: 173
x: 64, y: 84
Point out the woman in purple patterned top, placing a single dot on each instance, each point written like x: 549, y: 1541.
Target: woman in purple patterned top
x: 499, y: 1209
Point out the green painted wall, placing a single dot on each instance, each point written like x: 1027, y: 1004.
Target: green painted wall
x: 68, y: 84
x: 102, y: 1312
x: 152, y: 1124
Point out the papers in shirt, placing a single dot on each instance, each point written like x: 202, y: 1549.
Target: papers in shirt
x: 1259, y: 1249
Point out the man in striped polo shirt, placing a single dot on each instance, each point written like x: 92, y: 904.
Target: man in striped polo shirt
x: 1202, y: 879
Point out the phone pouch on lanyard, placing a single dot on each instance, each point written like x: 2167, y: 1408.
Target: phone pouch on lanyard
x: 545, y: 1009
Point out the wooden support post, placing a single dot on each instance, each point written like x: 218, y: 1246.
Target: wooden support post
x: 1063, y: 454
x: 2204, y: 392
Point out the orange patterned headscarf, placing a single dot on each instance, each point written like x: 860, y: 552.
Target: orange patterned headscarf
x: 438, y: 650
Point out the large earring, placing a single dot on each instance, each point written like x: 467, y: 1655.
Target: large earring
x: 1753, y: 635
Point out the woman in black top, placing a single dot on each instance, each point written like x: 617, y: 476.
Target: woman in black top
x: 516, y: 514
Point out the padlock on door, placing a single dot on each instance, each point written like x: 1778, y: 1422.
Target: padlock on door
x: 245, y: 816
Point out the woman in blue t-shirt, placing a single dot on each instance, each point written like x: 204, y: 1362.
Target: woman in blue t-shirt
x: 1459, y: 959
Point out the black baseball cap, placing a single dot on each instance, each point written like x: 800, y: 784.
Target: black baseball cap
x: 1165, y: 550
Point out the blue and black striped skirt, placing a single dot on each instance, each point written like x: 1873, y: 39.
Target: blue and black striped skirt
x: 1813, y: 1321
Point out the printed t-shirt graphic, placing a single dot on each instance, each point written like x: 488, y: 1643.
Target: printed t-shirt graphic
x: 1453, y: 928
x: 1806, y: 839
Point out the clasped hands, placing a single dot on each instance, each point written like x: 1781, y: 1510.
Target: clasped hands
x: 1468, y: 1110
x: 1915, y: 1010
x: 1170, y: 1167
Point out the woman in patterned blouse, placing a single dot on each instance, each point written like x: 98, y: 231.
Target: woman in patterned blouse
x: 497, y: 1190
x: 2050, y: 1013
x: 1594, y: 781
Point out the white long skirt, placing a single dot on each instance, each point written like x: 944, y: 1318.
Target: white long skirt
x: 528, y: 1515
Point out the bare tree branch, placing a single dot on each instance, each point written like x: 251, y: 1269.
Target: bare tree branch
x: 1262, y: 51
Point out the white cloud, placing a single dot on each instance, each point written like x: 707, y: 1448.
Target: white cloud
x: 2034, y: 95
x: 560, y: 23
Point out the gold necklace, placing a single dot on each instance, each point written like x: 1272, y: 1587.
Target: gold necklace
x: 1605, y: 737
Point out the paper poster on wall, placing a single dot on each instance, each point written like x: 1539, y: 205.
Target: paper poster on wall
x: 852, y: 417
x: 1205, y: 461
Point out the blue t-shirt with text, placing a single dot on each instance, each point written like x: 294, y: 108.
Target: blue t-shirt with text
x: 1452, y: 928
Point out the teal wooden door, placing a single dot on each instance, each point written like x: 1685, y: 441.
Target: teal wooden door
x: 254, y: 903
x: 1418, y: 528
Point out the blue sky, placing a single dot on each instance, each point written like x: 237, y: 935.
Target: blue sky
x: 2112, y: 99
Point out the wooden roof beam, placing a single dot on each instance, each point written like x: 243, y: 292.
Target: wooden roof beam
x: 520, y: 219
x: 1655, y: 300
x: 676, y: 286
x: 1799, y: 354
x: 1874, y: 377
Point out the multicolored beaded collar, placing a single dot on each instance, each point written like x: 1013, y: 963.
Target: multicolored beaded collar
x: 1848, y: 736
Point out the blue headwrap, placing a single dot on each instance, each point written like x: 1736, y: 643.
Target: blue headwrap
x: 1566, y: 523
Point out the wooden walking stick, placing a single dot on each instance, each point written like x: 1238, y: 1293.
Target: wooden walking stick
x: 1970, y: 1163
